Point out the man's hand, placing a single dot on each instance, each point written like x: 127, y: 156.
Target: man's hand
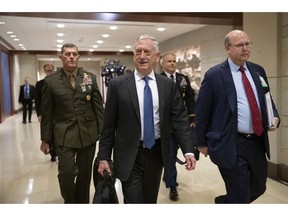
x: 203, y: 150
x: 104, y: 165
x: 190, y: 162
x: 277, y: 120
x: 45, y: 147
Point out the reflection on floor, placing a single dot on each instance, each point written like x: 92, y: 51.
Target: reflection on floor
x: 28, y: 176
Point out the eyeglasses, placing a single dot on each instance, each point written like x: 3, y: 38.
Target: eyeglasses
x: 139, y: 52
x: 68, y: 54
x: 241, y: 46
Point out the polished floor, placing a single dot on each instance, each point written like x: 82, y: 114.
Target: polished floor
x: 28, y: 177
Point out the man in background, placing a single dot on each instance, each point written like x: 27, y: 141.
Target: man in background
x: 48, y: 69
x: 26, y: 97
x: 168, y: 63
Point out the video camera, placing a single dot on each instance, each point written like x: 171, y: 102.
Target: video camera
x: 112, y: 69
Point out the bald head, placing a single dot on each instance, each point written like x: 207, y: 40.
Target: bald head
x: 234, y: 35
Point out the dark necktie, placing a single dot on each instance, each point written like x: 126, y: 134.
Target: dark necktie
x: 255, y: 112
x: 72, y: 80
x: 172, y: 77
x: 149, y: 133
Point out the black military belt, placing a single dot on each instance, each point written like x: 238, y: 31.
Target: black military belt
x: 248, y: 135
x: 142, y: 145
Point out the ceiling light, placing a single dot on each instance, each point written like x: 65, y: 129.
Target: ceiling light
x: 121, y: 50
x: 60, y: 25
x: 99, y: 41
x: 60, y: 41
x: 60, y: 34
x: 91, y: 50
x: 9, y: 32
x: 161, y: 29
x: 59, y: 50
x: 105, y: 35
x: 113, y: 27
x: 95, y: 46
x: 13, y: 36
x: 2, y: 23
x: 128, y: 47
x: 16, y: 39
x: 59, y: 45
x: 21, y: 45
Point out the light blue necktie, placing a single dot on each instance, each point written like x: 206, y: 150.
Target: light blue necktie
x: 26, y: 92
x: 149, y: 133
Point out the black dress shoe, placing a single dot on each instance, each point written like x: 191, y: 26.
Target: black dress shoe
x: 173, y: 193
x: 220, y: 199
x: 24, y: 122
x: 53, y: 159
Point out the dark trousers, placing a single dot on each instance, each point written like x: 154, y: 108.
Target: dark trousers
x: 74, y: 173
x: 27, y: 107
x: 247, y: 181
x: 143, y: 184
x: 171, y: 179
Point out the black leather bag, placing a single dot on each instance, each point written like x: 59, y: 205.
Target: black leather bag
x: 105, y: 191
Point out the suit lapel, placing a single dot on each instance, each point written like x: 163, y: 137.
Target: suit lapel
x: 79, y: 78
x: 229, y: 86
x: 161, y: 93
x: 257, y: 82
x: 132, y: 91
x: 64, y: 79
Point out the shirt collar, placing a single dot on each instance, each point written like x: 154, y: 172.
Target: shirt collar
x: 168, y: 74
x: 235, y: 67
x: 139, y: 76
x: 69, y: 73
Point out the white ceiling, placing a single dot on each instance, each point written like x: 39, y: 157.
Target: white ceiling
x: 40, y: 33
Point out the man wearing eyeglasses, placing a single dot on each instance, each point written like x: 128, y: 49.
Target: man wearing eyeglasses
x: 72, y: 117
x: 231, y: 121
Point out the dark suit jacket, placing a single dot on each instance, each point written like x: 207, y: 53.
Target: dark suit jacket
x: 187, y: 93
x: 21, y: 93
x: 122, y: 125
x: 216, y: 113
x: 75, y: 117
x: 38, y: 89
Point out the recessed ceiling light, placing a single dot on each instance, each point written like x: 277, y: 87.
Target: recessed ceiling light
x: 60, y: 41
x: 99, y: 41
x: 113, y: 27
x: 9, y: 32
x: 59, y: 45
x: 2, y: 23
x: 16, y: 39
x: 60, y: 25
x: 95, y: 46
x: 13, y: 36
x: 121, y: 50
x: 128, y: 47
x: 91, y: 50
x: 60, y: 34
x: 105, y: 35
x: 161, y: 29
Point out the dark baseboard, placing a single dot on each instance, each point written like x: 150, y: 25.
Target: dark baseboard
x: 278, y: 172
